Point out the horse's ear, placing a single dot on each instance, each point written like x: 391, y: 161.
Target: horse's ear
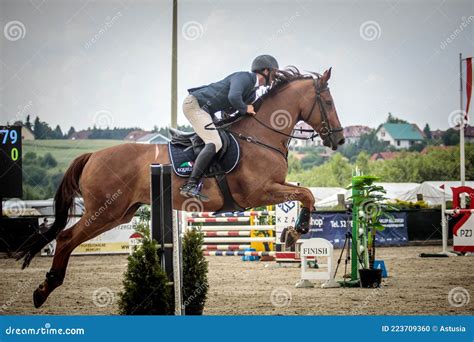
x: 326, y: 75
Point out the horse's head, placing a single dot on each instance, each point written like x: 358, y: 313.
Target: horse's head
x: 320, y: 113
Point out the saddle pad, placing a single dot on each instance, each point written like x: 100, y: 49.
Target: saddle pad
x: 182, y: 158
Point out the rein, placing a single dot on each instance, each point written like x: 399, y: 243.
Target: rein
x: 326, y: 129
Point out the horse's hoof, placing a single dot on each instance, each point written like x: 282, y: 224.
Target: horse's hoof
x: 39, y: 296
x: 291, y: 237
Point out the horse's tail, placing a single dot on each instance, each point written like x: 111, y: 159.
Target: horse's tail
x: 63, y: 201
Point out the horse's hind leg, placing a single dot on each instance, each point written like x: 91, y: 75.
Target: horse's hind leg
x: 66, y: 242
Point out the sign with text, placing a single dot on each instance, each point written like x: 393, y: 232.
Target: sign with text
x: 10, y: 162
x: 334, y: 226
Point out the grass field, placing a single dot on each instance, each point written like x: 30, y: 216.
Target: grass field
x: 64, y: 151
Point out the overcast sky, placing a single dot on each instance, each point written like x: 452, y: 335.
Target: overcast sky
x: 100, y: 62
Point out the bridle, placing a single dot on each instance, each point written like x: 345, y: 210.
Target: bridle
x: 326, y: 131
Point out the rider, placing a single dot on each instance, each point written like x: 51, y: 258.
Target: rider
x: 233, y: 93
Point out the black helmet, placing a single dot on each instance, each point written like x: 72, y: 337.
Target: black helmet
x: 264, y: 62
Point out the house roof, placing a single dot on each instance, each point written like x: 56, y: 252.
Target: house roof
x: 356, y: 131
x: 384, y: 156
x: 80, y: 135
x: 469, y: 132
x: 403, y: 131
x: 152, y: 136
x: 135, y: 135
x: 302, y: 125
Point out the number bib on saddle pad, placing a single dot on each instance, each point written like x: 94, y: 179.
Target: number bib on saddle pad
x: 183, y: 157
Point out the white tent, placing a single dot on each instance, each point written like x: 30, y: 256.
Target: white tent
x: 394, y: 190
x: 320, y: 193
x: 431, y: 191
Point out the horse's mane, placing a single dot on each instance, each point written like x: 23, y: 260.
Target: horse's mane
x: 282, y: 79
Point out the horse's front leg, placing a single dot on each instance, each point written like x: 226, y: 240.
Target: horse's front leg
x: 287, y: 192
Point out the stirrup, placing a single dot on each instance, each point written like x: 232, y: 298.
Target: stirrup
x: 192, y: 190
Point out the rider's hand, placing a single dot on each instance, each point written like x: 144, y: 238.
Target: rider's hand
x: 250, y: 110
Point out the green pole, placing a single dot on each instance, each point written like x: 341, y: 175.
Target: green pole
x: 355, y: 231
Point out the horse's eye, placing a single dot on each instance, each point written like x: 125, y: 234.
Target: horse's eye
x: 329, y: 103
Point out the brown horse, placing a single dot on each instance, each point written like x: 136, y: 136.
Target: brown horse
x: 115, y: 182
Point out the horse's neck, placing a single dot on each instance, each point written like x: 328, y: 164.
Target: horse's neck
x: 280, y: 112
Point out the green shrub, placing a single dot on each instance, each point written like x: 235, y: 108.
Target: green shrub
x: 195, y: 268
x: 145, y: 289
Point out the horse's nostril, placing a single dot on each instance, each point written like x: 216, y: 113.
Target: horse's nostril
x: 342, y: 141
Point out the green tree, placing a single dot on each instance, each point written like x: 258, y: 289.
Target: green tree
x: 451, y: 137
x: 58, y: 133
x: 311, y: 159
x: 427, y: 131
x: 48, y: 161
x: 393, y: 119
x: 71, y: 131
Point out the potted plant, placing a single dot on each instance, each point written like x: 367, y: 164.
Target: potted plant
x: 195, y: 268
x: 371, y: 203
x: 145, y: 289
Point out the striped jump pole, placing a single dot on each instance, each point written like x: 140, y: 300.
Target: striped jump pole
x: 240, y: 228
x: 242, y: 214
x: 238, y: 253
x: 239, y: 239
x: 224, y: 247
x: 218, y: 219
x: 226, y: 233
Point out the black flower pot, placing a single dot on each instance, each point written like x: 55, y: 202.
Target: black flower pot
x: 193, y: 310
x: 370, y: 278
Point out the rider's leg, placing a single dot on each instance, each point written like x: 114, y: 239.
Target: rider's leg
x: 199, y: 119
x: 190, y: 189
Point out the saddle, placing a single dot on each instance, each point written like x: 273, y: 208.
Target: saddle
x: 184, y: 147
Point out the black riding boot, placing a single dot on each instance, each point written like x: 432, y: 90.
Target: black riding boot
x: 190, y: 189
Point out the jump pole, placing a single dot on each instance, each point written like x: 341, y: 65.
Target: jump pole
x: 165, y: 229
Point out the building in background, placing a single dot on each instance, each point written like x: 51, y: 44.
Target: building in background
x: 352, y: 134
x: 469, y: 134
x: 296, y: 143
x: 153, y: 138
x: 384, y: 156
x: 135, y: 135
x: 400, y: 135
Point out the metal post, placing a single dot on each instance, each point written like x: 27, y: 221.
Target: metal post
x: 461, y: 134
x: 174, y: 67
x: 163, y: 230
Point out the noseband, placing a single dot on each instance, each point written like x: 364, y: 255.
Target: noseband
x: 326, y: 131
